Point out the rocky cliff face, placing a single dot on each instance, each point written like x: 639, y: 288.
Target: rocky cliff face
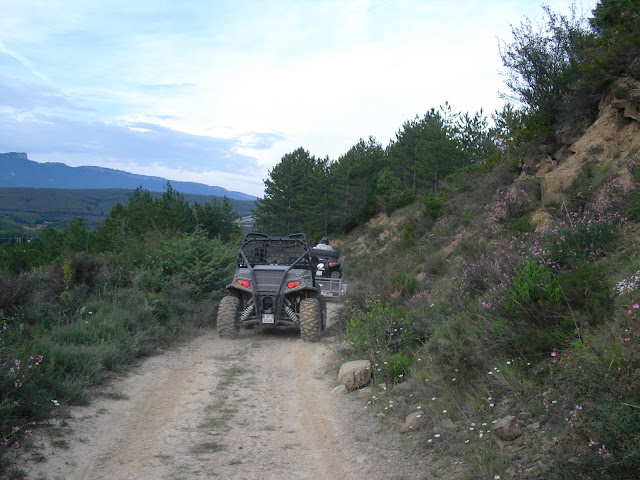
x: 14, y: 155
x: 611, y: 139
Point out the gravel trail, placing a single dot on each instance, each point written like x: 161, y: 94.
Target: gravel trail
x: 256, y: 407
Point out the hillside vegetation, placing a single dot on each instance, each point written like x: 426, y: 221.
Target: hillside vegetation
x: 78, y: 304
x: 504, y: 255
x: 505, y: 258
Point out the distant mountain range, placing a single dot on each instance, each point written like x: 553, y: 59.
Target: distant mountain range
x: 16, y: 170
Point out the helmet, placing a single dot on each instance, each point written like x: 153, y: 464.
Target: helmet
x: 325, y: 240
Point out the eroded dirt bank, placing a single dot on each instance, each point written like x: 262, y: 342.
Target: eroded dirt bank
x: 257, y: 407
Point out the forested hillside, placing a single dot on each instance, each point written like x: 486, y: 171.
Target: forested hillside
x: 556, y: 75
x: 506, y: 283
x: 319, y: 196
x: 17, y: 171
x: 26, y: 211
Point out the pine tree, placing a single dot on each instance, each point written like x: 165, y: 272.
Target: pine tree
x: 290, y: 197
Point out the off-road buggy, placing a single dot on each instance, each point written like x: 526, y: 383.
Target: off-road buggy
x: 274, y: 285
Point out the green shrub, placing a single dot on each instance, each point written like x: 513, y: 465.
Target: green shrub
x: 382, y: 334
x: 534, y: 296
x: 408, y: 233
x: 207, y: 264
x: 392, y: 366
x: 432, y: 206
x: 15, y: 291
x: 587, y: 290
x: 455, y: 346
x: 403, y: 285
x: 532, y: 319
x: 521, y: 225
x: 392, y: 192
x: 534, y: 341
x: 633, y: 213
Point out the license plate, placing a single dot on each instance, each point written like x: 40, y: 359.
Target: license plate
x: 319, y: 272
x: 268, y: 318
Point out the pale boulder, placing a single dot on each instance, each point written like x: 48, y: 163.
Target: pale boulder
x: 414, y: 422
x: 339, y: 390
x: 507, y: 428
x: 355, y: 374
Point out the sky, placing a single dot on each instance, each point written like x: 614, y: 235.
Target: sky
x: 217, y: 91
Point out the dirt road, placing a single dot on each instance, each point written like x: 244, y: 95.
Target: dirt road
x: 257, y: 407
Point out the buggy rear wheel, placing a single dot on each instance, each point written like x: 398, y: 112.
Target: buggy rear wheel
x: 228, y: 325
x: 310, y: 320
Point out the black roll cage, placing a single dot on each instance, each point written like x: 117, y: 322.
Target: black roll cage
x: 302, y: 261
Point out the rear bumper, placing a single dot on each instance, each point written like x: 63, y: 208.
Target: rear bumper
x: 332, y: 287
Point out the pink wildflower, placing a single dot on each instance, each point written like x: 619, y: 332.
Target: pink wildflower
x: 604, y: 452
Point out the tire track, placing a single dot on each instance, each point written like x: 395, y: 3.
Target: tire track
x: 256, y: 407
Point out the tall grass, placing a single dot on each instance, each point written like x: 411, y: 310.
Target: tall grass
x: 68, y: 326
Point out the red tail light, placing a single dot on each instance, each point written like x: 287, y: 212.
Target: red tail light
x: 244, y: 283
x: 293, y: 284
x: 333, y: 264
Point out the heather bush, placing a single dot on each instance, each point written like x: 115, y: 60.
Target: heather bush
x: 585, y: 235
x: 589, y: 232
x: 483, y: 266
x: 20, y: 392
x: 599, y: 384
x: 510, y: 205
x: 474, y: 187
x: 486, y: 272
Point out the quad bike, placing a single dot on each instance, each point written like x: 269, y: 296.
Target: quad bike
x: 329, y: 271
x: 274, y: 285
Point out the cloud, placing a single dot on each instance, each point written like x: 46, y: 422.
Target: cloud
x: 22, y: 60
x: 168, y: 86
x: 26, y: 95
x: 141, y: 143
x: 221, y: 90
x: 260, y: 141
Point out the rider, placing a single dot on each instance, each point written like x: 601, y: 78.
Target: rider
x: 324, y: 244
